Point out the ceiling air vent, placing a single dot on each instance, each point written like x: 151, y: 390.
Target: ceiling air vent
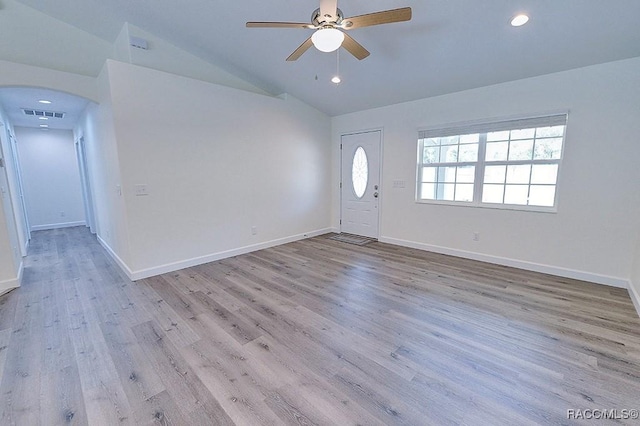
x: 41, y: 113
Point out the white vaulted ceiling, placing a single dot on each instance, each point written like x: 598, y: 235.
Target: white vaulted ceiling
x: 448, y: 46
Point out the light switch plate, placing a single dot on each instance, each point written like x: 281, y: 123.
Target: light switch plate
x: 141, y: 189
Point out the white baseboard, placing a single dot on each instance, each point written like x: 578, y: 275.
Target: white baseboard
x: 8, y: 285
x: 174, y: 266
x: 116, y: 258
x: 6, y: 289
x: 514, y: 263
x: 635, y: 295
x: 56, y: 226
x: 187, y: 263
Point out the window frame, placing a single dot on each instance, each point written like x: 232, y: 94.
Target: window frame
x: 483, y: 127
x: 446, y: 164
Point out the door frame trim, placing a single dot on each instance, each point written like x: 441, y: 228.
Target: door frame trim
x: 380, y: 162
x: 85, y: 181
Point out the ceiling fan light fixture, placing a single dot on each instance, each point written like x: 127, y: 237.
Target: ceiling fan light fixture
x: 327, y: 39
x: 336, y: 80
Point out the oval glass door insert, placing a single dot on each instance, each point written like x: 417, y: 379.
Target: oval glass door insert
x: 359, y: 172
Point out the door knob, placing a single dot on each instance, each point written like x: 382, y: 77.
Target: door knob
x: 375, y: 195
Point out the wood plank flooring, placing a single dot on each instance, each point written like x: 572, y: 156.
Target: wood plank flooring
x: 312, y: 332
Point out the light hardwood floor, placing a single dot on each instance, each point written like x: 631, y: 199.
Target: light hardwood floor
x: 312, y: 332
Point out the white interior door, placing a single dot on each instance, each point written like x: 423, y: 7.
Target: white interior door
x: 360, y: 193
x: 23, y: 205
x: 86, y: 185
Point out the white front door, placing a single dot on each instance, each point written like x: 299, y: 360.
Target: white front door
x: 360, y: 193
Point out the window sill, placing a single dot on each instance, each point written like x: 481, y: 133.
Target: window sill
x: 513, y: 207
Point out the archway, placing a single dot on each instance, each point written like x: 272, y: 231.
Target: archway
x: 45, y: 174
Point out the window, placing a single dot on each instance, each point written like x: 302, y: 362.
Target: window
x: 359, y: 172
x: 511, y: 163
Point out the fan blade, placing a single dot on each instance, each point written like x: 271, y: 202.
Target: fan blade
x: 300, y: 50
x: 278, y: 25
x: 328, y: 10
x: 377, y: 18
x: 354, y: 47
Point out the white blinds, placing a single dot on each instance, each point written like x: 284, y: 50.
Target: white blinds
x: 496, y: 126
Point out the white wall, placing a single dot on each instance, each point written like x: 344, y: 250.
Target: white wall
x: 34, y: 38
x: 217, y: 161
x: 96, y: 126
x: 164, y: 56
x: 634, y: 287
x: 8, y: 243
x: 13, y: 184
x: 592, y: 236
x: 10, y: 257
x: 14, y: 74
x: 51, y: 178
x: 38, y: 50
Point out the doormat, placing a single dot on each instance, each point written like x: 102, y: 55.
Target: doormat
x: 352, y: 239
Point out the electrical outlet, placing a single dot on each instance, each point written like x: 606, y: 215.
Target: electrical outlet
x: 62, y: 214
x: 476, y: 236
x: 254, y: 230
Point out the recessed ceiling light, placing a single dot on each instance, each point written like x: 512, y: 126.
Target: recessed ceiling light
x: 519, y: 20
x: 43, y: 118
x: 336, y: 80
x: 44, y: 125
x: 44, y: 101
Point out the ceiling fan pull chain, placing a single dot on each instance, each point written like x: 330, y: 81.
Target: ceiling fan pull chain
x: 336, y: 79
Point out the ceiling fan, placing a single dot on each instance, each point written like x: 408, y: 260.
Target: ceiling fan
x: 328, y: 23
